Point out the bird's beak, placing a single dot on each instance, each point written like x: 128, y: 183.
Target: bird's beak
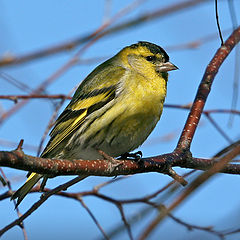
x: 165, y: 67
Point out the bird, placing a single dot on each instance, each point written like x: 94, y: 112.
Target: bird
x: 114, y: 109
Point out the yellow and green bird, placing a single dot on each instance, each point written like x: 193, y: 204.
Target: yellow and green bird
x: 114, y: 109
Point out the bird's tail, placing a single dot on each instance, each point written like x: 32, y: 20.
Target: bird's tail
x: 27, y: 186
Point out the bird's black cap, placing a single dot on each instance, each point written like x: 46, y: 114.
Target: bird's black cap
x: 153, y: 48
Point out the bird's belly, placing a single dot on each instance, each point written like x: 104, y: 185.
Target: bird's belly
x: 124, y: 135
x: 115, y: 132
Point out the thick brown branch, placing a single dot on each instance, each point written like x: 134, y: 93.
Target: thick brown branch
x: 55, y: 167
x: 204, y: 90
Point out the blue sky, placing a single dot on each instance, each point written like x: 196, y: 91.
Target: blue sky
x: 26, y: 26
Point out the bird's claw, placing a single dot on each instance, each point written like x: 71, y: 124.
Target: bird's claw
x: 133, y: 156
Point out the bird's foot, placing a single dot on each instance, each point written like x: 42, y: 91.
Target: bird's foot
x: 133, y: 156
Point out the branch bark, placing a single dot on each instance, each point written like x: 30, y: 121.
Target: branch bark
x: 204, y: 89
x: 56, y: 167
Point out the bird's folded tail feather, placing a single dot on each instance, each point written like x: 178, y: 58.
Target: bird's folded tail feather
x: 25, y: 189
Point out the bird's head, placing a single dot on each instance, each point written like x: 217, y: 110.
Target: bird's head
x: 146, y: 58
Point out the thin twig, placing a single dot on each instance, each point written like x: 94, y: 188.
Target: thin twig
x: 71, y: 44
x: 11, y: 144
x: 127, y: 225
x: 22, y: 86
x: 219, y: 129
x: 21, y: 224
x: 195, y: 43
x: 218, y: 24
x: 191, y: 227
x: 36, y: 205
x: 93, y: 218
x: 34, y: 96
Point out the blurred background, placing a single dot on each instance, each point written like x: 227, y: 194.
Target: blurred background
x: 187, y: 30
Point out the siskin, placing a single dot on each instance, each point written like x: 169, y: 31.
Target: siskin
x: 114, y: 109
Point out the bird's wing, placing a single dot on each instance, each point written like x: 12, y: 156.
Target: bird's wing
x: 82, y: 105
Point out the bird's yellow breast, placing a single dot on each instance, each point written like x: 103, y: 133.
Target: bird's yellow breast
x: 146, y: 94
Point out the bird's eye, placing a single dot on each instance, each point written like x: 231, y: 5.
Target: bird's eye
x: 150, y: 58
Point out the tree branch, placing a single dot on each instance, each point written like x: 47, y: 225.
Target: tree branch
x: 56, y: 167
x: 204, y: 90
